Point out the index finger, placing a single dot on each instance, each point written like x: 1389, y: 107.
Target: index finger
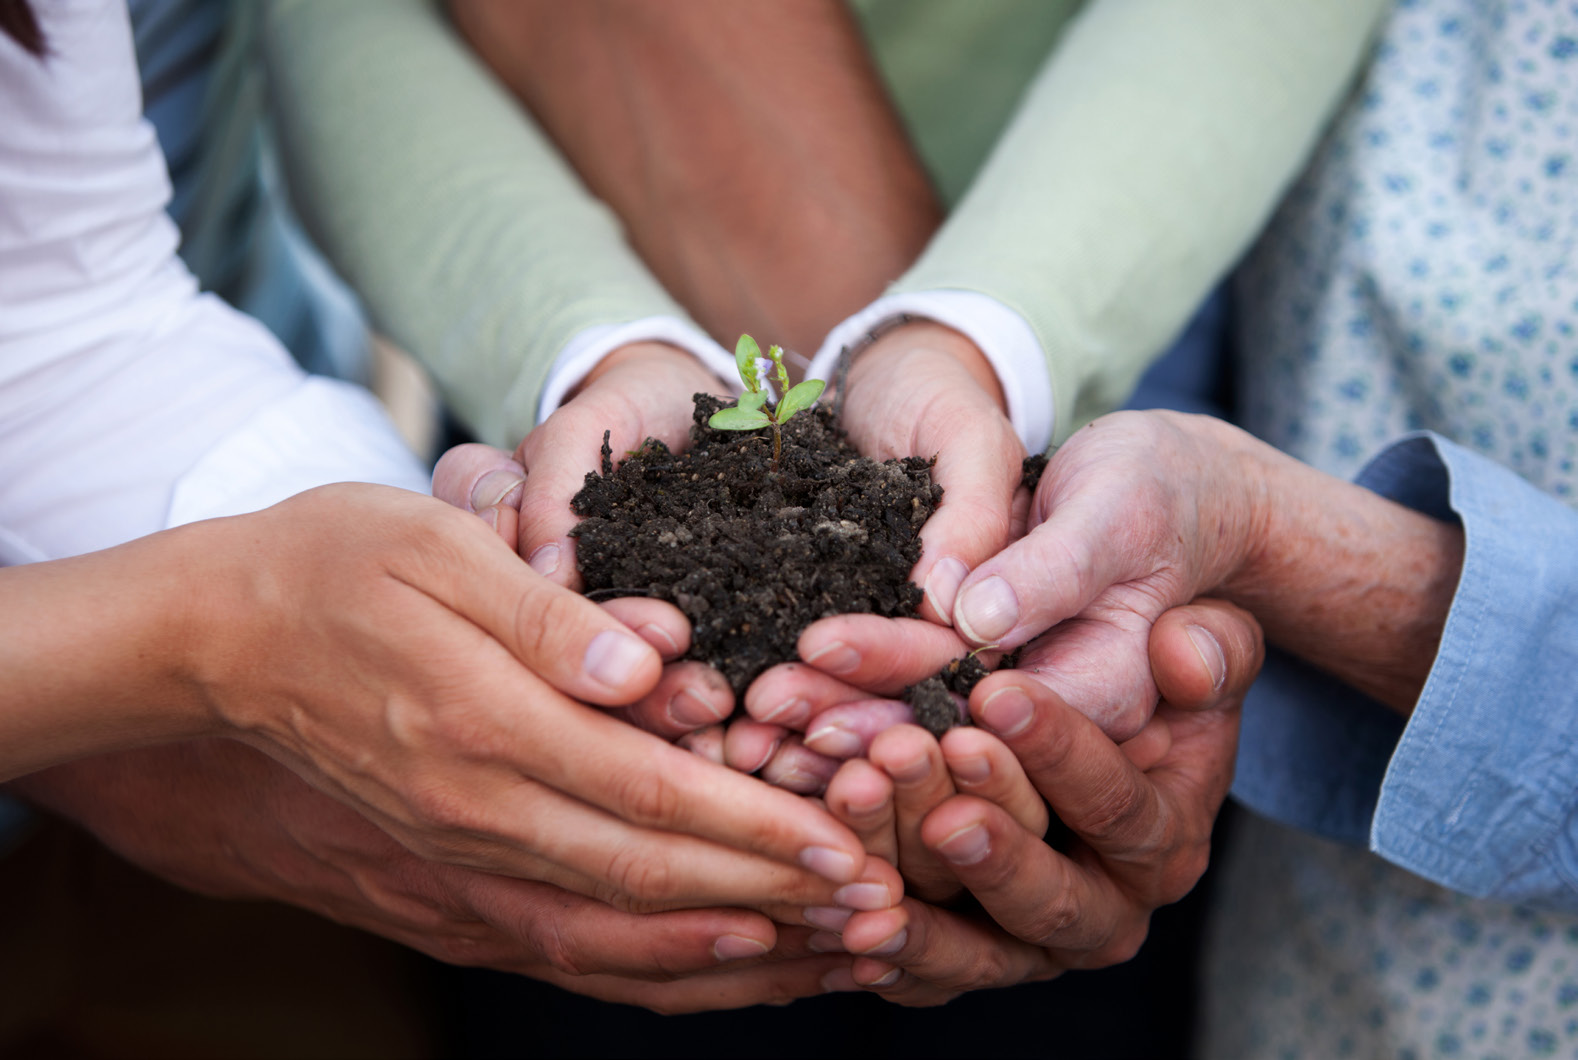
x: 882, y: 655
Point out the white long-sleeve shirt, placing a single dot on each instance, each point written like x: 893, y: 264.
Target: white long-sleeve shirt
x: 128, y: 401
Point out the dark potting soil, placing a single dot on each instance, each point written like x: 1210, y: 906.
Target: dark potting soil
x: 753, y: 555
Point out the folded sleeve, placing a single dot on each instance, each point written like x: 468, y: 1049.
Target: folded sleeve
x: 1147, y: 153
x: 1478, y: 790
x: 1481, y: 793
x: 472, y: 243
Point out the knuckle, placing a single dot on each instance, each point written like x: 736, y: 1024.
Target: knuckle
x: 554, y: 948
x: 646, y: 797
x: 548, y: 620
x: 1057, y: 917
x: 1121, y: 948
x: 989, y: 969
x: 1184, y: 870
x: 1114, y: 814
x: 640, y: 876
x: 441, y: 809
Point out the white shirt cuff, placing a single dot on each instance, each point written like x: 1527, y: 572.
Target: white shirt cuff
x: 1002, y: 335
x: 589, y: 346
x: 323, y: 431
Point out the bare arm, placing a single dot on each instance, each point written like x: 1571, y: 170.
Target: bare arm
x: 750, y: 149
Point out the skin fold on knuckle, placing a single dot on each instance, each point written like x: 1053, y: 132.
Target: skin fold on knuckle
x: 549, y: 622
x: 1124, y: 820
x: 641, y: 875
x: 1059, y: 920
x: 646, y: 796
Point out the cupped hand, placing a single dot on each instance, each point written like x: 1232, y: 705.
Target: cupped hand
x: 1136, y: 513
x: 223, y: 820
x: 637, y: 392
x: 925, y: 390
x: 1139, y: 816
x: 415, y: 669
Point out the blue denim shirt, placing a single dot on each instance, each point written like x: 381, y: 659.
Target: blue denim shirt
x: 1477, y: 790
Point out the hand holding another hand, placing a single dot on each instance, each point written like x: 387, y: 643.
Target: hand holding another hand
x: 190, y: 813
x: 1139, y: 817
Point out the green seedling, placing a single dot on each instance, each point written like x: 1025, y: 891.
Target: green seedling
x: 751, y: 412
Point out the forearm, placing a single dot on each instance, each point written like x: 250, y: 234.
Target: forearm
x: 1344, y: 578
x: 469, y: 240
x: 94, y: 648
x: 1146, y: 155
x: 750, y: 149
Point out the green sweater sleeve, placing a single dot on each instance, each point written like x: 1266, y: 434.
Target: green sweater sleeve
x: 472, y: 243
x: 1147, y: 153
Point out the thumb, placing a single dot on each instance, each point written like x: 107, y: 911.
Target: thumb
x: 484, y: 481
x: 1205, y: 654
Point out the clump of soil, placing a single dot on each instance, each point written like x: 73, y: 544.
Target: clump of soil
x: 937, y: 701
x: 753, y: 555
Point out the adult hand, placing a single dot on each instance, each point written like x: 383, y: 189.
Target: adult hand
x: 875, y: 658
x: 924, y: 390
x: 690, y: 696
x: 223, y: 820
x: 424, y: 676
x: 1140, y: 816
x: 1140, y: 512
x: 637, y: 392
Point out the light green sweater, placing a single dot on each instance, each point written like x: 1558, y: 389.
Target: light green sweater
x: 1150, y: 142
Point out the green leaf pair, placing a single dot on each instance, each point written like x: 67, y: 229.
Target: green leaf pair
x: 750, y: 412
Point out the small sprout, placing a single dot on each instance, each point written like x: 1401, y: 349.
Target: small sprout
x: 751, y: 412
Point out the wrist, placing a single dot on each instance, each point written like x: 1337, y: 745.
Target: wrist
x: 674, y: 362
x: 1346, y: 579
x: 885, y: 353
x: 92, y: 647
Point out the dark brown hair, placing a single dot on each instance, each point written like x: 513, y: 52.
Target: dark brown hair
x: 18, y: 22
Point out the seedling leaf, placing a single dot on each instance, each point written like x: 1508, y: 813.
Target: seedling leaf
x: 801, y: 396
x: 752, y: 399
x: 746, y: 356
x: 735, y: 418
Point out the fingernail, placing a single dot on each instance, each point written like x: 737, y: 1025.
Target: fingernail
x: 840, y: 981
x: 827, y: 917
x: 491, y: 517
x: 1007, y: 712
x: 545, y: 560
x: 492, y: 488
x: 834, y: 741
x: 867, y: 809
x: 967, y: 846
x: 658, y: 637
x: 688, y: 710
x: 912, y: 772
x: 791, y: 714
x: 866, y: 896
x: 836, y: 658
x: 613, y: 657
x: 766, y: 756
x: 830, y: 864
x: 889, y: 946
x: 987, y: 610
x: 736, y: 948
x: 942, y: 585
x: 972, y: 769
x: 887, y: 980
x: 1210, y: 653
x: 825, y: 942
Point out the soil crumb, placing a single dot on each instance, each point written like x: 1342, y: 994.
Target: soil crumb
x: 939, y: 701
